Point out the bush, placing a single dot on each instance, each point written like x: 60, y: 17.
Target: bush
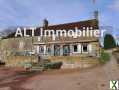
x: 53, y: 65
x: 105, y: 57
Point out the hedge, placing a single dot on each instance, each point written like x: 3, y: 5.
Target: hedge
x: 53, y: 65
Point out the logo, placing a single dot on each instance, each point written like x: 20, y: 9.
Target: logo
x: 114, y: 85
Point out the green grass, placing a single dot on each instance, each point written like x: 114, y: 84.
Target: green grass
x: 105, y: 57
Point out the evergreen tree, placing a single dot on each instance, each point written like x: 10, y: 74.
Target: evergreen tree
x: 109, y: 42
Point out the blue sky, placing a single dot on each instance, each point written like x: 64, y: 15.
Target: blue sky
x: 32, y: 12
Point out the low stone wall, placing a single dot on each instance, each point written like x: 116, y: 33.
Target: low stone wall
x: 19, y: 61
x: 76, y: 61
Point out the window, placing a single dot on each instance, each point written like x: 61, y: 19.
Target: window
x: 85, y: 48
x: 41, y: 49
x: 49, y: 50
x: 75, y: 48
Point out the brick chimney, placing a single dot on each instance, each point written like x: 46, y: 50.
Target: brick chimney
x: 96, y: 16
x: 45, y: 23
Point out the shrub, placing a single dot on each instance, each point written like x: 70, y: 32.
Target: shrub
x: 105, y: 57
x: 53, y: 65
x: 28, y: 65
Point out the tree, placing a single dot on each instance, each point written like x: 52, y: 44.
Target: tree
x: 109, y: 42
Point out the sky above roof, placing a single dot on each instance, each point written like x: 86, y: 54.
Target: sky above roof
x: 32, y: 12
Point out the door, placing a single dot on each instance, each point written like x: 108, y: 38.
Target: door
x: 56, y: 50
x: 66, y: 50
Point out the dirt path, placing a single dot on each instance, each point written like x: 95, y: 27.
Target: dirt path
x: 11, y: 79
x: 91, y: 79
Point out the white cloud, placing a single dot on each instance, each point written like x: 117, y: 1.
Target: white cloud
x: 31, y: 12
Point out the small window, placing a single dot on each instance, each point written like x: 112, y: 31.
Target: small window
x: 41, y: 49
x: 75, y: 48
x: 85, y: 48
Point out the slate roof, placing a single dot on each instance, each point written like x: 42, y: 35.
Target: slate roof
x: 67, y: 26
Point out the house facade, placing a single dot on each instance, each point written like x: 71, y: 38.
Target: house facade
x: 17, y: 51
x: 68, y: 46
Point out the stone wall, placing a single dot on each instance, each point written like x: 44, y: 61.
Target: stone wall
x: 81, y: 61
x: 9, y: 48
